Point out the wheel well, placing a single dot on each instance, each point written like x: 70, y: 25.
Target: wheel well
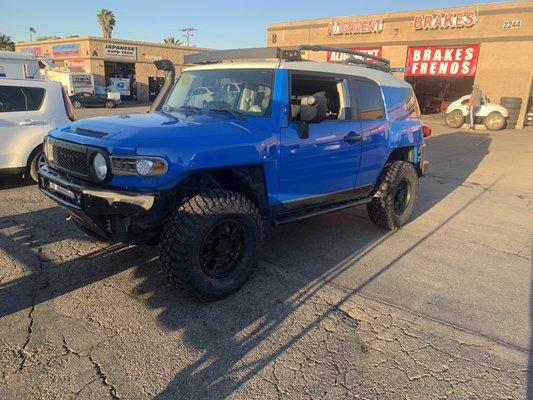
x: 32, y: 153
x: 247, y: 180
x: 405, y: 154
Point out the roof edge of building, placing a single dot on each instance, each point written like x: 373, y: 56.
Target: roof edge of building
x: 488, y: 6
x: 101, y: 39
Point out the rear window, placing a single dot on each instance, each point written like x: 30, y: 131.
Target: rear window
x: 17, y: 98
x: 370, y: 101
x: 411, y: 103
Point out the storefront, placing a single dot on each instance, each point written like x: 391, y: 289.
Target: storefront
x: 125, y: 65
x: 440, y: 52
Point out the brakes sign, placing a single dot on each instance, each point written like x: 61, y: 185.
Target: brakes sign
x: 442, y: 61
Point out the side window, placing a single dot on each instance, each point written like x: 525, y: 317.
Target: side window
x: 15, y: 98
x: 370, y: 102
x: 335, y: 90
x: 411, y: 103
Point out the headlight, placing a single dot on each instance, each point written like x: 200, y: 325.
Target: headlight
x: 47, y: 149
x: 99, y: 166
x: 139, y: 166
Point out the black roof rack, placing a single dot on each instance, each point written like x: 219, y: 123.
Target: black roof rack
x: 217, y: 56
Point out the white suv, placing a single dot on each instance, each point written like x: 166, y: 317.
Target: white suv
x: 29, y: 109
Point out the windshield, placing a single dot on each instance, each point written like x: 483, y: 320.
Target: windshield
x: 237, y: 91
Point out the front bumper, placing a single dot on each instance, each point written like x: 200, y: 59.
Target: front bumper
x: 124, y: 216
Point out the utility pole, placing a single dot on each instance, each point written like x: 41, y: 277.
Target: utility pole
x: 187, y: 34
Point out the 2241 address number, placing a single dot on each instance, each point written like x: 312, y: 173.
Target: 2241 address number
x: 513, y: 24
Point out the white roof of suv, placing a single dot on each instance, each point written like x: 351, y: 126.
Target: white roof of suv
x: 380, y: 77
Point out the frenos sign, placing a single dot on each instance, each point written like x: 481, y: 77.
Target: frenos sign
x: 445, y: 20
x: 442, y: 60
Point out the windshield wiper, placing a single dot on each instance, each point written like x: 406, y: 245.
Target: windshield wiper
x: 236, y: 114
x: 166, y: 113
x: 197, y: 110
x: 168, y: 108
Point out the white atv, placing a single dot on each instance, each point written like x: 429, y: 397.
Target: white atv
x: 493, y: 116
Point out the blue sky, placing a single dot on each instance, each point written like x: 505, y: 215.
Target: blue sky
x: 220, y: 24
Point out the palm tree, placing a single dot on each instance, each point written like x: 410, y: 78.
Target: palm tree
x: 6, y: 43
x: 172, y: 40
x: 106, y: 19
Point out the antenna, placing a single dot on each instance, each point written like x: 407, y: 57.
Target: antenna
x: 187, y: 34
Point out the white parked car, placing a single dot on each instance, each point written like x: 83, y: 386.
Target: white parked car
x: 199, y: 97
x: 29, y: 109
x: 493, y: 116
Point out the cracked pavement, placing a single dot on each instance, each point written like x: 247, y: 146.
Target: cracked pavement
x: 336, y: 310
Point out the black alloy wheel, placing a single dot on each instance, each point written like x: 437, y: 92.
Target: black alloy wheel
x: 222, y: 249
x: 402, y: 196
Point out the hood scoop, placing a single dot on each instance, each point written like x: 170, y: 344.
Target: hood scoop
x: 90, y: 131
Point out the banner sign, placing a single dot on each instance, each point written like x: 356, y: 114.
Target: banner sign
x: 335, y: 56
x: 36, y: 51
x: 120, y: 51
x: 442, y: 60
x: 74, y: 63
x: 354, y: 27
x: 445, y: 20
x: 61, y: 50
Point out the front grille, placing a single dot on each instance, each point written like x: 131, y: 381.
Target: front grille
x: 68, y: 159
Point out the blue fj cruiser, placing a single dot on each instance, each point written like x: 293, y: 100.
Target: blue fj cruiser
x: 229, y: 146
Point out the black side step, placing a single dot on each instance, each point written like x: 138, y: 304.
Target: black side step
x: 318, y: 211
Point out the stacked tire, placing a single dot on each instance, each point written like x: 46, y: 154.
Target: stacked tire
x: 513, y: 105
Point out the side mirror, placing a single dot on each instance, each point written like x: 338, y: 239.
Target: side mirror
x: 313, y: 108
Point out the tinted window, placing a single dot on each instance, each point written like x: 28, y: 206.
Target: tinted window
x: 15, y: 98
x: 369, y: 100
x: 411, y: 103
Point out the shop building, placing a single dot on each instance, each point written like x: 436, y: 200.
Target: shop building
x: 441, y: 52
x: 112, y: 58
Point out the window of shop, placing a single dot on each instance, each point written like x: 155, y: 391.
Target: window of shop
x: 120, y: 77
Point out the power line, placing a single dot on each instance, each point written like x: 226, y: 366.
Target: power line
x: 187, y: 34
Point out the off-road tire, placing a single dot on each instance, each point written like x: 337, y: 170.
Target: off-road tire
x: 495, y: 121
x: 455, y: 119
x: 184, y: 234
x: 381, y: 210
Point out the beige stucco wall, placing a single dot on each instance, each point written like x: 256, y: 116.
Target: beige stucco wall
x: 505, y: 65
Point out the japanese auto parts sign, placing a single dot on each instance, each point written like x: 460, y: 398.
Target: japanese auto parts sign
x: 116, y: 50
x: 442, y: 60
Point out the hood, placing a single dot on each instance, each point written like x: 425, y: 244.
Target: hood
x: 133, y: 129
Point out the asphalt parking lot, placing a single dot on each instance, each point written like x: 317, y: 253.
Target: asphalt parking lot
x: 337, y: 309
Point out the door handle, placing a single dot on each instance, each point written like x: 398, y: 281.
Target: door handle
x: 353, y: 137
x: 29, y: 122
